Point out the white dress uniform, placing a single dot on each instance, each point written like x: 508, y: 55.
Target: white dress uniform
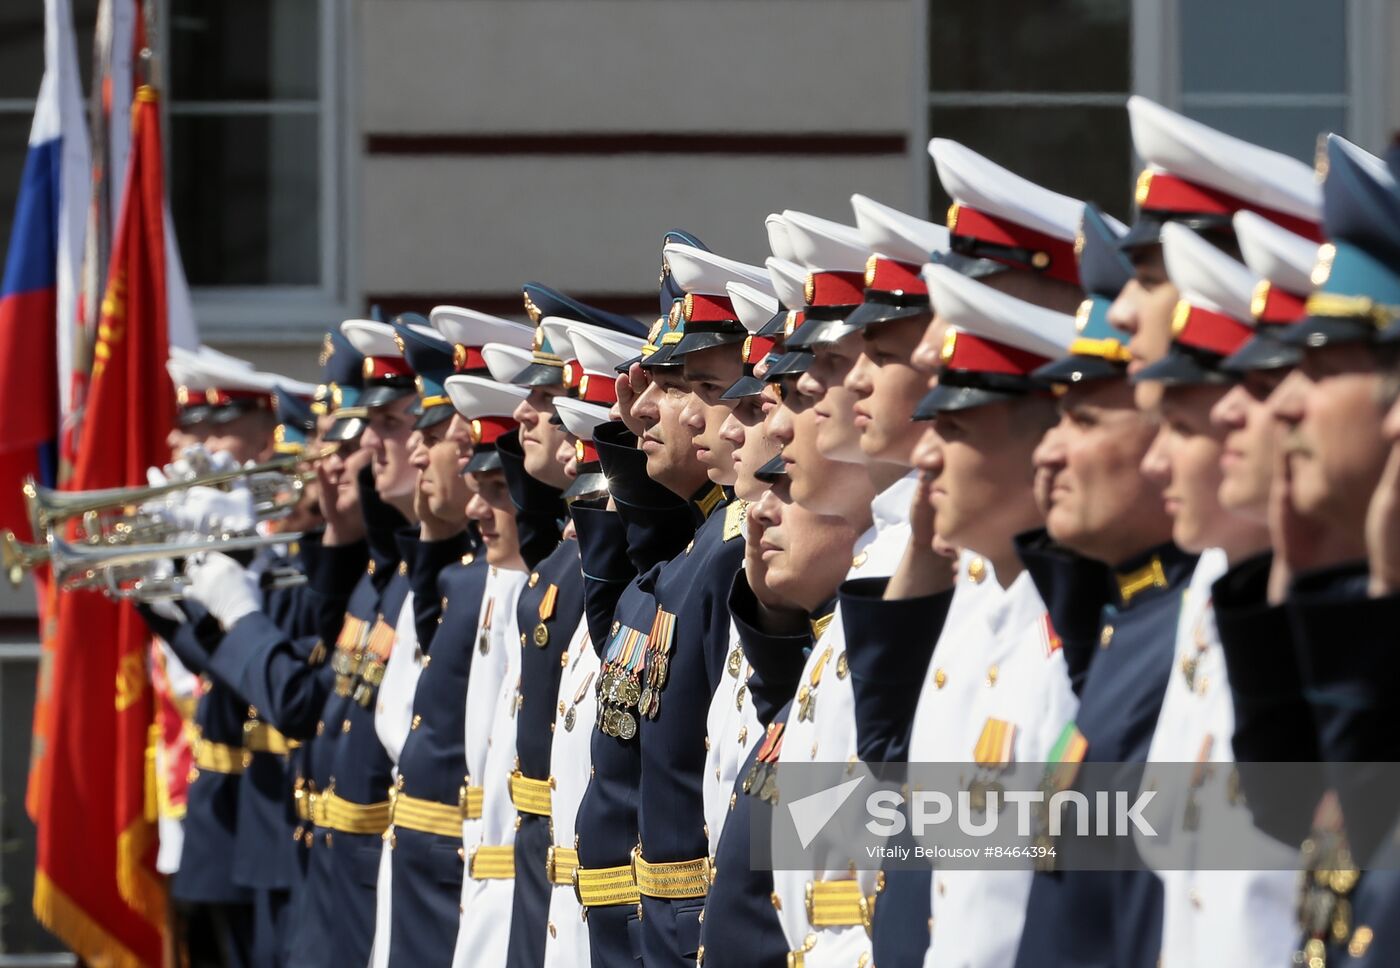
x: 731, y: 729
x: 571, y: 764
x: 484, y: 933
x: 1223, y: 917
x: 393, y: 717
x: 997, y: 667
x: 830, y: 736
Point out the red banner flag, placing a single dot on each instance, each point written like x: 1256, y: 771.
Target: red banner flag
x: 95, y: 885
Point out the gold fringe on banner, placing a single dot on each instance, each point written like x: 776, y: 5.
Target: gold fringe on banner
x: 71, y: 925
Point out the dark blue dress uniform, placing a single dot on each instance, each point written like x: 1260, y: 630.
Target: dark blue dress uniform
x: 548, y: 611
x: 621, y: 552
x: 740, y: 926
x: 889, y: 644
x: 427, y: 863
x: 1088, y: 917
x: 219, y: 912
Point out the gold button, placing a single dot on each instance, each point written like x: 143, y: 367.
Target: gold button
x: 1106, y: 637
x: 940, y: 678
x: 444, y: 601
x: 707, y: 744
x: 417, y: 721
x: 522, y: 638
x: 320, y: 727
x: 860, y: 559
x: 700, y: 953
x: 992, y: 672
x: 733, y: 799
x: 1360, y: 941
x: 743, y: 734
x: 552, y: 932
x: 427, y: 660
x: 976, y: 570
x: 706, y: 828
x: 777, y: 901
x: 403, y: 568
x: 252, y: 712
x: 534, y: 578
x: 345, y: 726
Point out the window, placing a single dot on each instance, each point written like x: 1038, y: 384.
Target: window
x: 255, y: 163
x: 1035, y: 86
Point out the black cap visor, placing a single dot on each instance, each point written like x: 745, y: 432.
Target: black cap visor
x: 589, y: 483
x: 1078, y: 369
x: 1263, y: 352
x: 705, y: 339
x: 947, y: 397
x: 746, y: 386
x: 792, y: 363
x: 434, y: 416
x: 771, y: 471
x: 383, y: 394
x: 345, y: 428
x: 484, y: 459
x: 1182, y: 367
x: 881, y: 307
x: 1314, y: 332
x: 539, y: 375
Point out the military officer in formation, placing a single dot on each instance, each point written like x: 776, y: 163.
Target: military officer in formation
x: 1031, y: 487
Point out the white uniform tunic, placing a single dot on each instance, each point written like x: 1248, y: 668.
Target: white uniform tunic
x: 492, y: 694
x: 731, y: 730
x: 570, y: 764
x: 829, y: 736
x: 1240, y: 918
x: 997, y: 666
x: 393, y: 717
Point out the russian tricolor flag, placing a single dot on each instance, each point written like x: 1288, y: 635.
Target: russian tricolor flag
x: 39, y: 293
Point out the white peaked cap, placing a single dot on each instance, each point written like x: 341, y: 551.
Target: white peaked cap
x: 213, y: 356
x: 789, y: 282
x: 1284, y: 258
x: 696, y: 270
x: 778, y: 241
x: 186, y: 373
x: 277, y: 383
x: 370, y: 337
x: 824, y: 245
x: 563, y: 334
x: 600, y: 351
x: 474, y: 397
x: 977, y: 308
x: 505, y: 362
x: 753, y: 307
x: 1207, y: 277
x: 980, y: 183
x: 467, y: 327
x: 894, y: 235
x: 580, y: 418
x: 238, y: 377
x: 1176, y: 144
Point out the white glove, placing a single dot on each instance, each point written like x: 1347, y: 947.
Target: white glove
x: 155, y: 476
x: 210, y: 511
x: 222, y: 586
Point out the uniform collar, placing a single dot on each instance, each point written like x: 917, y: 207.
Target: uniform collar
x: 891, y: 506
x: 820, y: 619
x: 704, y: 501
x: 1151, y: 573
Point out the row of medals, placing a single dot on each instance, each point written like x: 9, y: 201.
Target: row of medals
x: 620, y: 691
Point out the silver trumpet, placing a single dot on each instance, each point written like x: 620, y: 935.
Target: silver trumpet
x: 110, y: 567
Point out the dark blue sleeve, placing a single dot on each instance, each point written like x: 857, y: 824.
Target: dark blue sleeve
x: 1273, y: 722
x: 658, y: 523
x: 607, y: 569
x: 272, y: 672
x: 330, y: 585
x: 1075, y: 591
x: 432, y: 558
x: 889, y: 645
x: 194, y: 641
x: 539, y: 508
x: 777, y: 658
x: 1346, y: 643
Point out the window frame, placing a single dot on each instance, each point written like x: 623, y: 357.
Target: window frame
x: 1154, y: 29
x: 240, y: 315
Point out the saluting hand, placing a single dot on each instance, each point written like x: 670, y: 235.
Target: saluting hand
x: 629, y: 387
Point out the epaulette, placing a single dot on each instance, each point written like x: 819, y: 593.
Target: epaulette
x: 734, y: 517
